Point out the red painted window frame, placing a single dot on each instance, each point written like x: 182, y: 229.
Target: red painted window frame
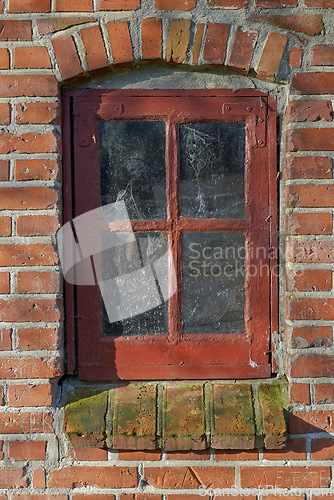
x: 175, y: 356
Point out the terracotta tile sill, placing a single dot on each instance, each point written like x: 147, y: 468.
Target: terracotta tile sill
x: 178, y: 416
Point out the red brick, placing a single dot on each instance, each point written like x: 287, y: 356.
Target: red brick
x: 300, y: 393
x: 312, y: 83
x: 311, y: 333
x: 12, y: 478
x: 185, y: 433
x: 38, y: 481
x: 98, y: 477
x: 5, y: 226
x: 295, y: 450
x: 4, y: 59
x: 37, y: 225
x: 19, y: 310
x: 239, y: 455
x: 49, y: 25
x: 310, y: 139
x: 304, y: 422
x: 322, y: 55
x: 277, y: 496
x: 312, y: 308
x: 309, y: 223
x: 29, y: 6
x: 228, y: 4
x: 174, y: 4
x: 285, y: 477
x: 89, y: 454
x: 4, y: 282
x: 1, y: 11
x: 322, y: 449
x: 24, y: 423
x: 15, y: 30
x: 4, y: 170
x: 29, y: 395
x: 151, y: 33
x: 28, y: 143
x: 149, y: 496
x: 324, y: 393
x: 194, y: 497
x: 95, y: 52
x: 198, y: 42
x: 216, y: 42
x: 140, y: 456
x: 295, y: 57
x: 37, y: 338
x: 305, y: 23
x: 178, y: 40
x: 310, y: 252
x: 310, y: 280
x: 37, y: 112
x: 5, y: 340
x: 31, y: 57
x: 17, y: 368
x: 313, y: 365
x: 311, y: 196
x: 38, y: 282
x: 322, y: 4
x: 74, y: 6
x: 44, y: 170
x: 118, y: 4
x: 18, y: 198
x: 188, y: 455
x: 309, y: 167
x: 120, y: 42
x: 274, y: 4
x: 94, y: 497
x: 300, y: 111
x: 27, y: 450
x: 38, y: 254
x: 32, y: 496
x: 28, y: 85
x: 242, y: 50
x: 184, y: 478
x: 271, y: 55
x: 67, y: 57
x: 5, y: 120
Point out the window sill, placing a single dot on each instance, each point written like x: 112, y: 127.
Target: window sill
x: 178, y: 416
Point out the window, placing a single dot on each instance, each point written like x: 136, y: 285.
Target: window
x: 190, y: 177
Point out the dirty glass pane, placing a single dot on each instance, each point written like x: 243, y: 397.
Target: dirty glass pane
x: 133, y: 281
x: 212, y: 159
x: 132, y: 165
x: 213, y: 282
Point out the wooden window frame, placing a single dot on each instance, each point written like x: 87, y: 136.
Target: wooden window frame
x: 175, y: 356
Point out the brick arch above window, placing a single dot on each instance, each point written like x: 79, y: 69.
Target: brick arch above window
x: 98, y: 47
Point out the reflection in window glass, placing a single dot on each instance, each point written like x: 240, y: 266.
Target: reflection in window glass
x: 213, y: 282
x: 212, y: 159
x: 132, y: 166
x: 133, y: 285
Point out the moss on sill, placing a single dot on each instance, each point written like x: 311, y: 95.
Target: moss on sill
x: 178, y: 416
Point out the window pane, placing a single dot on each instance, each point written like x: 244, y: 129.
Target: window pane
x: 213, y: 282
x: 133, y: 285
x: 132, y: 165
x: 212, y: 160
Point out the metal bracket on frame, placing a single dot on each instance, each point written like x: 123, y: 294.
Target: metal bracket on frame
x: 260, y: 115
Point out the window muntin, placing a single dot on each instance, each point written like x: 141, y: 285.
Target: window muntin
x: 182, y: 354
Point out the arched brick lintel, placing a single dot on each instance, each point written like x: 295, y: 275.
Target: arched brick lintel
x: 101, y: 48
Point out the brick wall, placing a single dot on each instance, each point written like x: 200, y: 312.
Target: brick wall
x: 288, y: 46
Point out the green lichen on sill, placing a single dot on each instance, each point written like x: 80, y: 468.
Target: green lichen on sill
x: 179, y: 416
